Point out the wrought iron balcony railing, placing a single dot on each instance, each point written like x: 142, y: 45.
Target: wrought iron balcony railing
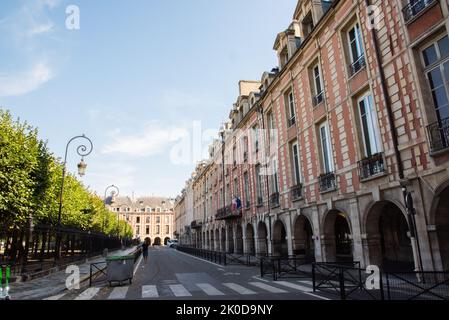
x: 319, y: 98
x: 439, y: 135
x: 291, y: 121
x: 274, y: 200
x: 371, y: 166
x: 196, y: 224
x: 415, y: 7
x: 296, y: 192
x: 357, y: 65
x: 228, y: 213
x: 327, y: 182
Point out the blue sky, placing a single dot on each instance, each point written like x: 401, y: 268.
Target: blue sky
x: 133, y: 78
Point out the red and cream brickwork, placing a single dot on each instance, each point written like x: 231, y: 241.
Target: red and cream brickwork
x: 349, y: 203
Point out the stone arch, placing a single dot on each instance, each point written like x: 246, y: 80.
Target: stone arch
x: 303, y: 245
x: 279, y: 241
x: 262, y: 239
x: 230, y: 238
x: 166, y: 241
x: 388, y: 241
x: 217, y: 240
x: 250, y: 240
x: 239, y: 239
x: 439, y: 217
x: 223, y: 239
x: 337, y: 237
x: 157, y: 241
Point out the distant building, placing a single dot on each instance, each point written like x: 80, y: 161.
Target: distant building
x: 149, y: 217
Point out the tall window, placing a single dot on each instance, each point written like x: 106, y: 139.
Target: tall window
x: 245, y: 148
x: 148, y: 220
x: 158, y: 219
x: 271, y: 127
x: 318, y: 94
x: 138, y: 220
x: 246, y: 189
x: 356, y: 52
x: 274, y: 177
x: 158, y: 229
x: 256, y: 138
x: 259, y: 183
x: 436, y: 62
x: 167, y: 229
x: 290, y: 103
x: 147, y: 230
x: 326, y: 153
x: 234, y: 155
x: 295, y: 164
x: 137, y: 230
x: 236, y: 187
x: 370, y: 128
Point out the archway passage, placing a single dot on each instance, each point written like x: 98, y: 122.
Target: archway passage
x: 239, y: 240
x: 442, y: 227
x: 262, y: 239
x: 223, y: 240
x: 388, y: 237
x: 280, y: 247
x: 337, y: 237
x: 304, y: 246
x: 166, y: 241
x: 250, y: 241
x: 157, y: 242
x: 217, y: 240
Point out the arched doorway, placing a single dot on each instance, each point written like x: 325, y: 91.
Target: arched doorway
x: 239, y: 239
x: 337, y: 237
x: 217, y: 240
x: 230, y: 239
x: 442, y: 227
x: 262, y: 239
x: 157, y: 241
x: 280, y: 247
x: 166, y: 241
x: 303, y: 244
x: 387, y: 234
x: 250, y: 241
x: 223, y: 240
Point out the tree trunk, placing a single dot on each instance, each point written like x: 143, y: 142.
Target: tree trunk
x: 44, y: 242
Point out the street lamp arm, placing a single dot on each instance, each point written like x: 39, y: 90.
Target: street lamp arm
x: 83, y: 150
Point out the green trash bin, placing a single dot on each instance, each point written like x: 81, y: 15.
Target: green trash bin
x: 120, y: 269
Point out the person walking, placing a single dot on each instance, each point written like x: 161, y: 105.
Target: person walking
x: 145, y: 246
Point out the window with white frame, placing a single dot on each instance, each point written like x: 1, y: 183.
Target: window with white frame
x: 271, y: 127
x: 259, y: 183
x: 369, y: 125
x: 326, y: 149
x: 318, y: 93
x: 274, y: 176
x: 295, y: 163
x: 356, y: 51
x: 291, y: 112
x: 246, y: 189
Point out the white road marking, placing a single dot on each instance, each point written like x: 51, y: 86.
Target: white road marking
x: 118, y: 293
x: 59, y: 296
x: 238, y: 288
x: 308, y: 282
x: 88, y: 294
x: 210, y: 290
x: 260, y: 279
x: 149, y: 292
x: 215, y: 264
x: 137, y: 266
x: 294, y: 286
x: 267, y: 287
x: 179, y: 290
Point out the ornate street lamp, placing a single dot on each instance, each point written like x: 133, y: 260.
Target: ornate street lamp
x: 83, y: 151
x: 115, y: 192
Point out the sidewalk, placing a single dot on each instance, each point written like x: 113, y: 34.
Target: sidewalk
x: 54, y: 284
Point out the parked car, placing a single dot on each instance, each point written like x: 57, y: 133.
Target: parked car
x: 172, y: 243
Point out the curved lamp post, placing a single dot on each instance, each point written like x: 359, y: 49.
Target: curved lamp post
x: 115, y: 191
x: 83, y: 150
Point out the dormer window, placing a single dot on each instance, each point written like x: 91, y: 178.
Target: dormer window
x: 284, y: 57
x: 307, y: 24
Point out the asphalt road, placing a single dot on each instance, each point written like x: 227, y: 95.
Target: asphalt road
x: 172, y: 275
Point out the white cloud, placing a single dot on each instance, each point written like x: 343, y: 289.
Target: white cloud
x: 155, y: 139
x: 25, y: 82
x: 39, y: 29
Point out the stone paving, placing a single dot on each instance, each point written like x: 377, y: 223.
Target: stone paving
x: 55, y: 283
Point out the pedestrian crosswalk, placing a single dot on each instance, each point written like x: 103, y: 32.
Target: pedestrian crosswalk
x: 179, y: 290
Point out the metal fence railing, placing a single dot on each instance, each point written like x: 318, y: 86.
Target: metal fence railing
x: 213, y: 256
x: 285, y: 267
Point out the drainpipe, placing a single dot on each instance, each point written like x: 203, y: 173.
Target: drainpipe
x: 407, y: 195
x: 260, y: 110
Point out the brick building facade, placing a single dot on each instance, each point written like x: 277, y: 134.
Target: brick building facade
x: 323, y: 151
